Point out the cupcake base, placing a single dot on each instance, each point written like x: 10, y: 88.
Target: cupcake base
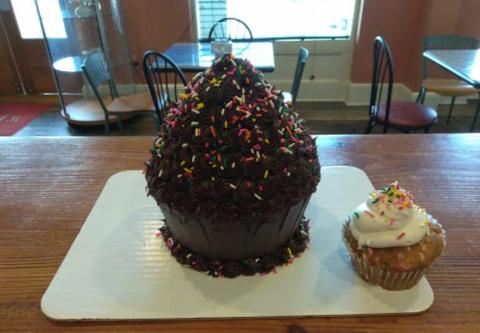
x: 382, y: 276
x: 284, y: 255
x: 387, y: 279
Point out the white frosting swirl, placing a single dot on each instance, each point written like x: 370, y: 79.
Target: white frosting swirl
x: 389, y: 218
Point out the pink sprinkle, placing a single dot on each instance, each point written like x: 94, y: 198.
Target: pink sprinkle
x: 294, y: 139
x: 402, y: 267
x: 369, y: 214
x: 260, y: 187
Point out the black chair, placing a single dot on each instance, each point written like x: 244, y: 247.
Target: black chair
x: 97, y: 72
x: 230, y: 28
x: 447, y: 87
x: 297, y: 78
x: 164, y: 79
x: 405, y: 116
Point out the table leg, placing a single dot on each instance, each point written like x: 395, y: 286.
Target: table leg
x: 475, y: 116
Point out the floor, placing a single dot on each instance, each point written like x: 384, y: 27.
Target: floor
x: 322, y: 117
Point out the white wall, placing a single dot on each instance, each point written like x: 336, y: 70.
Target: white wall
x: 327, y: 71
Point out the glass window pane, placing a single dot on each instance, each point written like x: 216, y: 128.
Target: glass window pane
x: 281, y: 18
x: 29, y: 24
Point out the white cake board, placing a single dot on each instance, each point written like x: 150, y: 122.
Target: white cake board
x: 117, y: 268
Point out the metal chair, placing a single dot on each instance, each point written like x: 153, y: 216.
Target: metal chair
x: 96, y: 71
x: 405, y: 116
x: 163, y: 77
x: 230, y: 28
x: 297, y: 78
x: 447, y: 87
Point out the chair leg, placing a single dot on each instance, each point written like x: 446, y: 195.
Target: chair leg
x: 472, y: 128
x: 120, y: 124
x: 452, y: 103
x: 421, y: 95
x: 369, y: 128
x: 107, y: 126
x: 427, y: 129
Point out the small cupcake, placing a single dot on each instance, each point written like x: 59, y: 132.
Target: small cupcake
x: 392, y: 241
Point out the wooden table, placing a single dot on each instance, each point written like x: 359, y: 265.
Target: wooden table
x: 48, y: 186
x: 464, y: 64
x: 196, y: 57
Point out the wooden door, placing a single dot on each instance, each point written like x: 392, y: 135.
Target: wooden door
x: 9, y: 80
x: 30, y: 61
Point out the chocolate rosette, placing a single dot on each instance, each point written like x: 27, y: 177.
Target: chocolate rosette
x: 245, y: 190
x: 253, y: 170
x: 205, y: 116
x: 268, y: 117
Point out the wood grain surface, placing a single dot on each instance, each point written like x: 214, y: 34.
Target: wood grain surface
x: 49, y: 185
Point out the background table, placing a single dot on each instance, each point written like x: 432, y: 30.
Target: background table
x: 195, y: 57
x: 49, y: 185
x: 464, y: 64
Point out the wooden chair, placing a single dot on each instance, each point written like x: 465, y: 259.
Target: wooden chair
x: 114, y: 108
x: 447, y: 87
x: 405, y: 116
x: 230, y: 28
x: 297, y: 77
x: 164, y: 79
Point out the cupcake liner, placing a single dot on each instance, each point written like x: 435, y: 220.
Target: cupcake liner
x: 381, y: 276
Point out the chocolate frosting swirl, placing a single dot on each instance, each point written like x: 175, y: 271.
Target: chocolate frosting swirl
x: 232, y: 147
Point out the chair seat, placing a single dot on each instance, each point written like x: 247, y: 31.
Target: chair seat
x: 134, y: 103
x: 408, y: 115
x: 449, y: 87
x: 86, y: 112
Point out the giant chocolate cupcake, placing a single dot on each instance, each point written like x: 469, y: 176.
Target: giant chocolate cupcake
x: 232, y: 170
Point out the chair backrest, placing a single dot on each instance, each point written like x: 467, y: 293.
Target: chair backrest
x: 164, y: 79
x: 230, y: 28
x: 96, y: 70
x: 297, y: 78
x: 382, y: 75
x: 448, y: 42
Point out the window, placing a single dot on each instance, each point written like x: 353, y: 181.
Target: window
x: 29, y: 23
x: 280, y: 18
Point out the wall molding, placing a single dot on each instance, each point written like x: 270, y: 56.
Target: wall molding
x: 356, y: 94
x: 359, y: 94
